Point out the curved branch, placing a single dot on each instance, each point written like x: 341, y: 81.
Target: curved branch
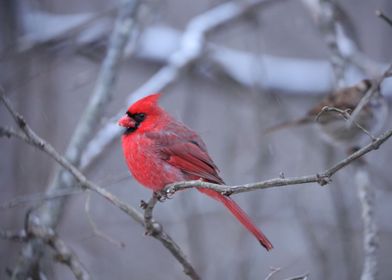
x: 30, y: 137
x: 49, y: 211
x: 63, y: 253
x: 321, y: 178
x: 191, y: 48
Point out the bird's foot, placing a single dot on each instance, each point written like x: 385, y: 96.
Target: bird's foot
x: 170, y: 192
x: 143, y: 204
x: 162, y: 195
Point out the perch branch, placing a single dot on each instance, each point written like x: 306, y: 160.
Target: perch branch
x: 151, y: 227
x: 34, y: 140
x: 321, y: 178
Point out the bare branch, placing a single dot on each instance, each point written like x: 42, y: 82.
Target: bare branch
x: 321, y: 178
x: 151, y: 227
x: 374, y: 90
x: 94, y: 227
x: 39, y: 143
x: 346, y: 115
x: 20, y: 236
x: 192, y: 45
x: 381, y: 15
x: 366, y: 195
x: 58, y: 27
x: 299, y: 277
x: 328, y: 26
x: 93, y: 112
x: 49, y: 211
x: 340, y: 35
x: 272, y: 273
x: 334, y: 25
x: 63, y: 254
x: 34, y: 140
x: 22, y: 200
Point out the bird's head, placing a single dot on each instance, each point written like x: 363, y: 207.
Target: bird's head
x: 141, y: 115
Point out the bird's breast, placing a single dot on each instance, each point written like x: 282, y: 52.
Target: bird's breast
x: 147, y: 164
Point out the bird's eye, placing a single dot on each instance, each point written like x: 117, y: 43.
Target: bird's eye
x: 139, y: 117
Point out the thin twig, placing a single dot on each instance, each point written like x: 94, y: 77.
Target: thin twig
x: 374, y: 89
x: 328, y: 26
x: 94, y: 110
x: 41, y: 197
x: 34, y: 140
x: 299, y: 277
x: 346, y: 115
x: 50, y: 211
x: 20, y: 236
x: 321, y: 178
x: 340, y: 36
x: 94, y: 227
x: 366, y: 195
x: 192, y: 45
x: 21, y: 200
x: 274, y: 270
x: 381, y: 15
x: 63, y: 253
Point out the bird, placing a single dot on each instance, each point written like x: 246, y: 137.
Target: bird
x: 333, y: 124
x: 159, y: 150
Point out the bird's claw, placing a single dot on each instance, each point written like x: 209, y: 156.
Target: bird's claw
x: 143, y: 204
x: 163, y: 195
x: 170, y: 192
x: 160, y: 196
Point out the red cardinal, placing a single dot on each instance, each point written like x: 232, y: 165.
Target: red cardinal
x: 160, y: 150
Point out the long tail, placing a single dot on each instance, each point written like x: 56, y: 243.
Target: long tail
x: 241, y: 216
x: 288, y: 124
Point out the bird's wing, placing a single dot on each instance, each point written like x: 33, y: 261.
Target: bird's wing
x: 187, y: 153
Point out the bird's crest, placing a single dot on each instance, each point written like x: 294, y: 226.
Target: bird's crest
x: 146, y: 104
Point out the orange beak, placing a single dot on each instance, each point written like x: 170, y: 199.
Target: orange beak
x: 126, y: 122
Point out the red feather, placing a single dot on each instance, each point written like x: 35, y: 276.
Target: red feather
x: 160, y: 150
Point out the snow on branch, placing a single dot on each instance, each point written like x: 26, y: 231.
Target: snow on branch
x: 41, y: 27
x: 289, y: 75
x: 191, y: 47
